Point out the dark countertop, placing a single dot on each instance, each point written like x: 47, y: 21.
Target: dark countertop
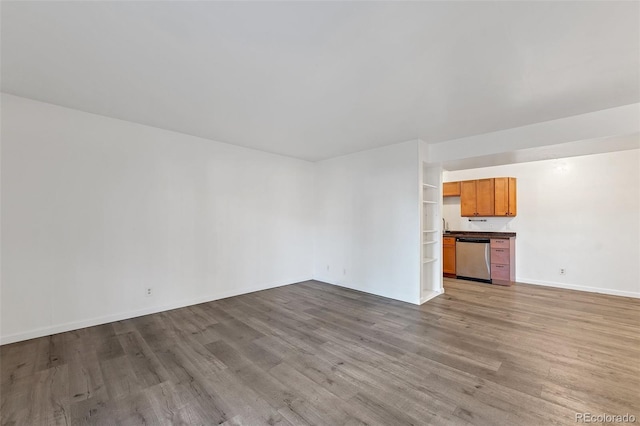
x: 481, y: 234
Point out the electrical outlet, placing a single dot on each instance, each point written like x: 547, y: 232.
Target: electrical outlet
x: 563, y: 271
x: 148, y: 291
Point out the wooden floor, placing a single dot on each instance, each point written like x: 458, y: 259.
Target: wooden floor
x: 312, y: 353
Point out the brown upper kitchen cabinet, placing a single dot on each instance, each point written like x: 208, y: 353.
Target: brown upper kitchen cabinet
x: 451, y: 189
x: 477, y: 197
x: 505, y: 196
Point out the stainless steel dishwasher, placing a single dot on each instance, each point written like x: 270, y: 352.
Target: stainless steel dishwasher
x: 473, y: 261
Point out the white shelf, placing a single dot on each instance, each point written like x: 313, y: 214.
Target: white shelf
x: 430, y: 177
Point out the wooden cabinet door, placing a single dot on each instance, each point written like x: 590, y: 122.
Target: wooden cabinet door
x: 501, y: 205
x: 485, y: 196
x: 451, y: 189
x: 505, y: 197
x: 468, y: 198
x: 449, y: 259
x: 513, y: 198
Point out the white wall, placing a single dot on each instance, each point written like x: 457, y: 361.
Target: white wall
x: 579, y: 213
x: 368, y: 230
x: 94, y: 210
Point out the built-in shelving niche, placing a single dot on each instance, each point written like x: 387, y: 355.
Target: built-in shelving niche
x: 431, y: 239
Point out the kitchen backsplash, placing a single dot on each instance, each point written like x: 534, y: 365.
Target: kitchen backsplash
x: 451, y: 214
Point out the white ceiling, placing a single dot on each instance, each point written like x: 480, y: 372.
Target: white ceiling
x: 315, y: 80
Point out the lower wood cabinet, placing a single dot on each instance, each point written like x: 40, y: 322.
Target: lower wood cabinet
x: 503, y: 261
x: 449, y: 256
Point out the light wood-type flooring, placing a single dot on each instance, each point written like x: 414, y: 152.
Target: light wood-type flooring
x: 312, y: 353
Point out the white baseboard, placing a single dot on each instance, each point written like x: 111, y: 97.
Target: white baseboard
x: 75, y: 325
x: 579, y: 287
x: 364, y: 290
